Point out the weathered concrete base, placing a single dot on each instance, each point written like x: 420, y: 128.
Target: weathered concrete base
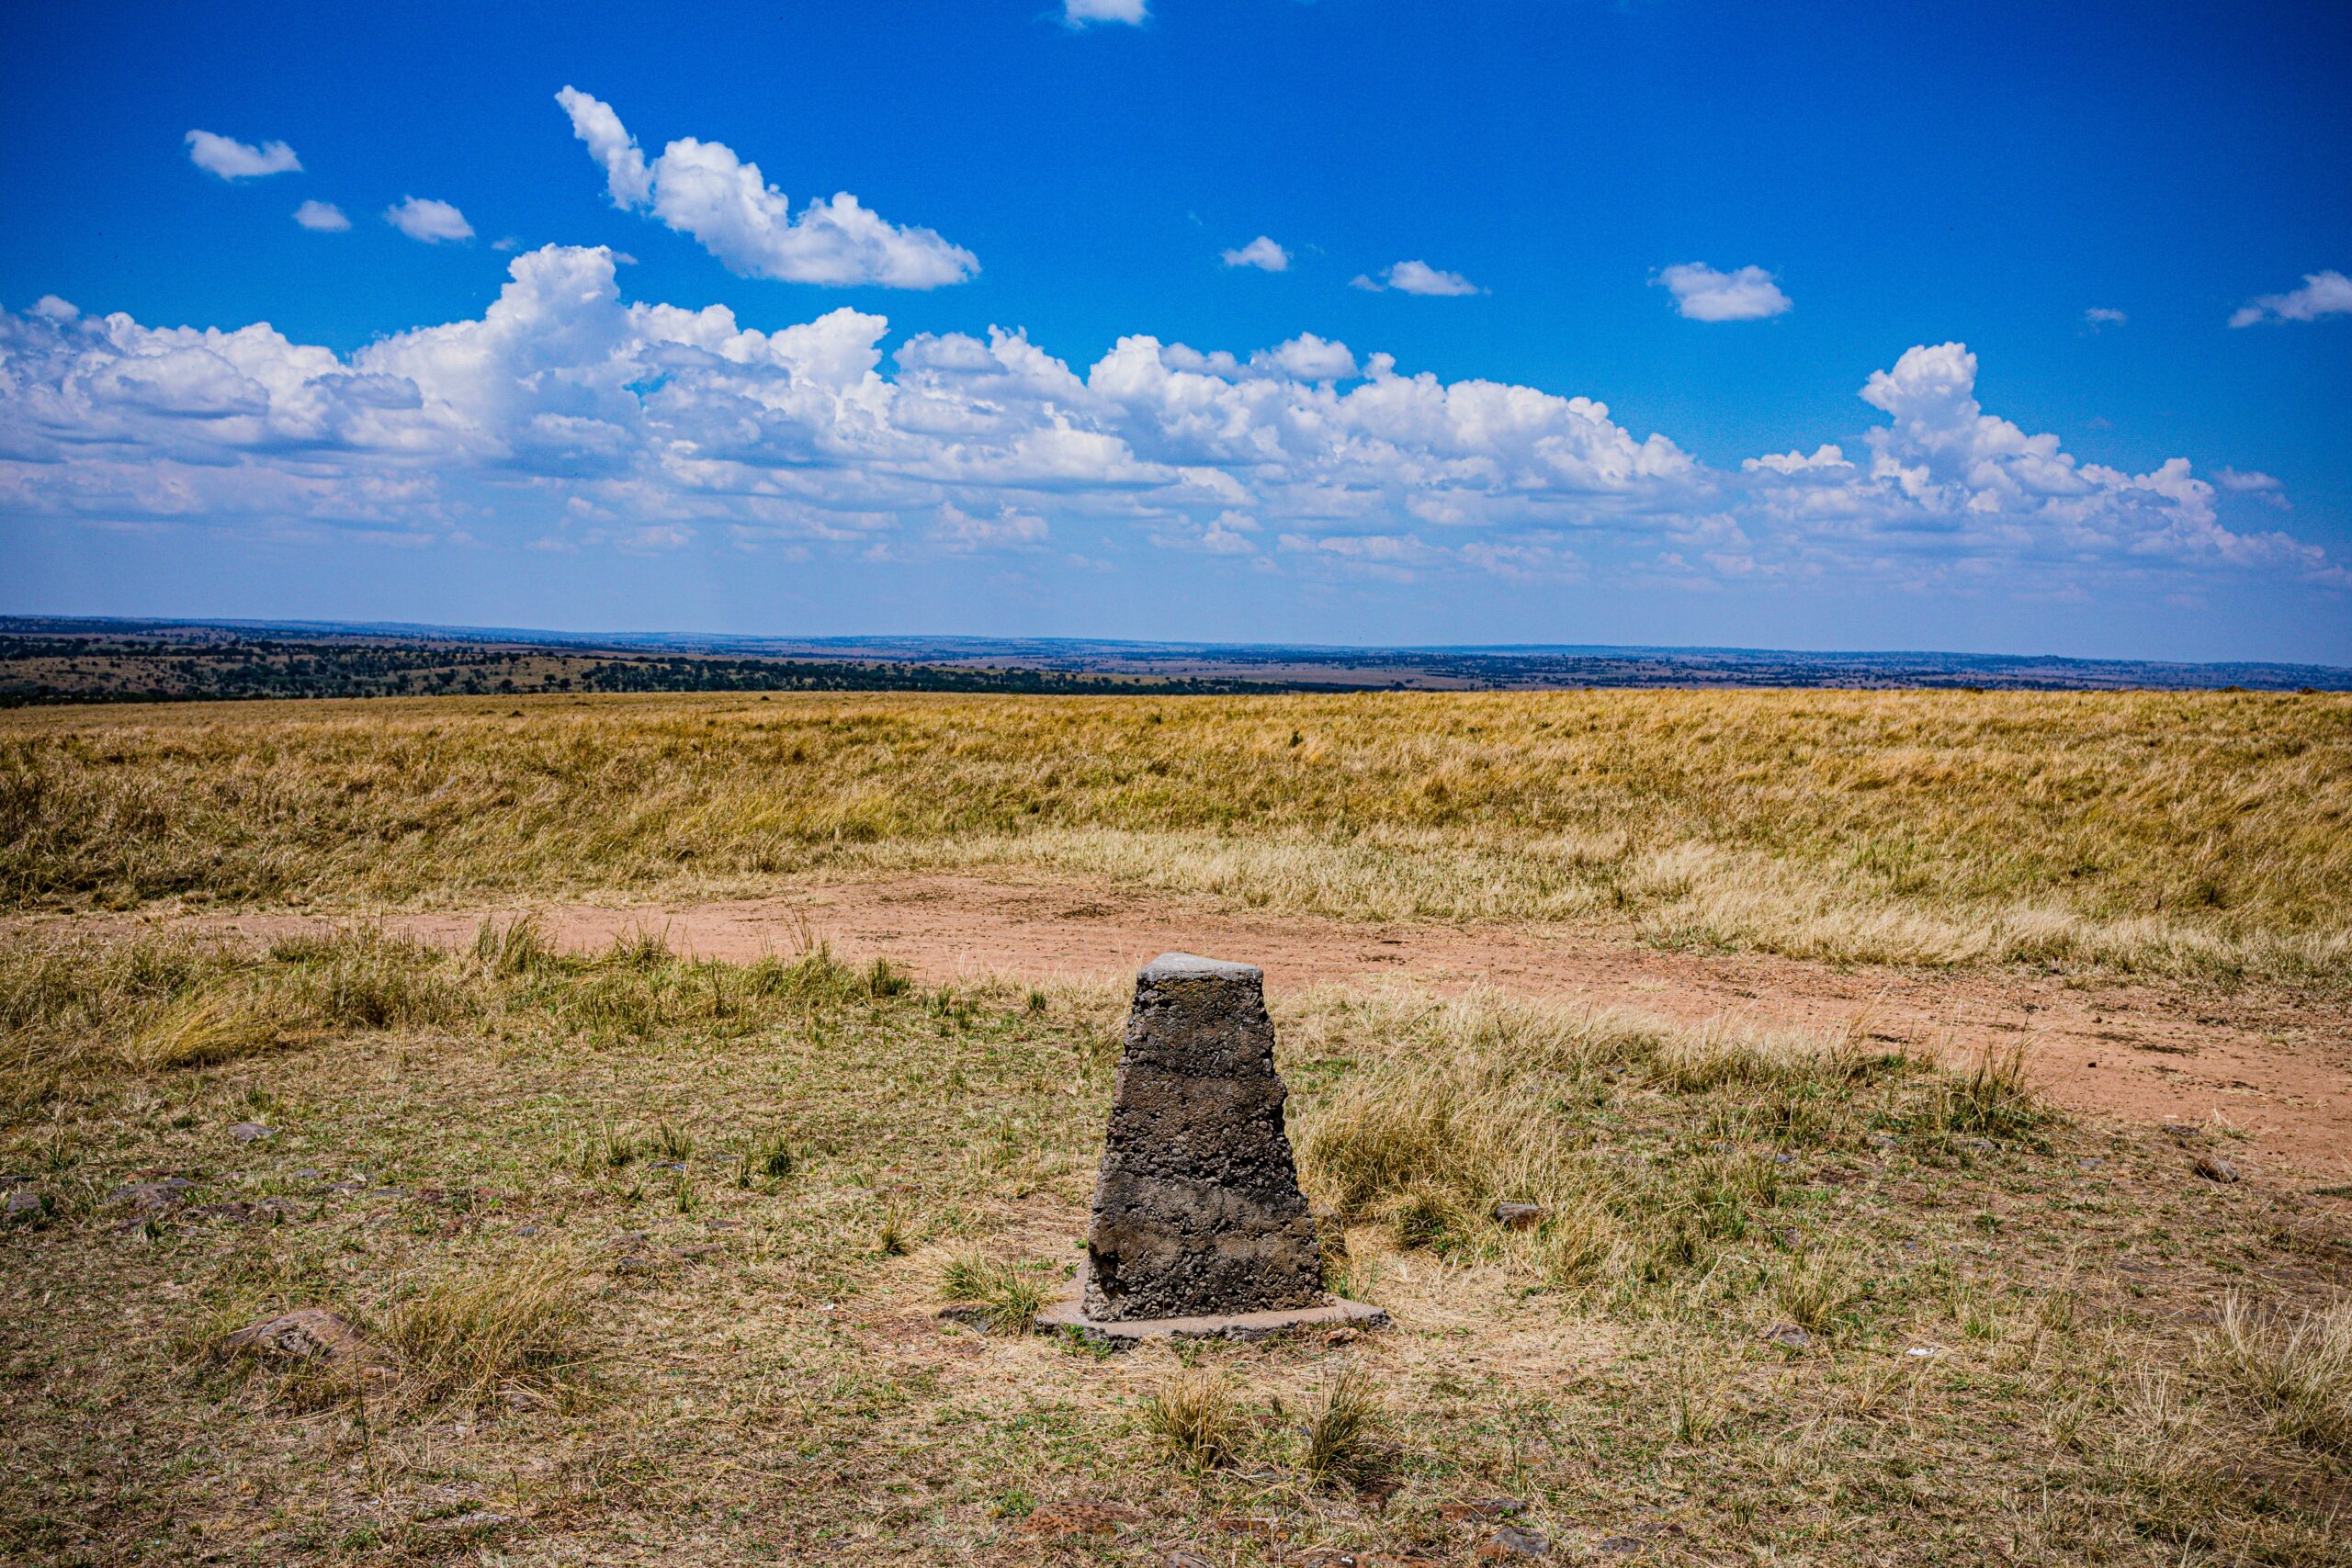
x: 1070, y: 1314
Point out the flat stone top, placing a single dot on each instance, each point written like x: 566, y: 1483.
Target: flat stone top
x: 1192, y: 966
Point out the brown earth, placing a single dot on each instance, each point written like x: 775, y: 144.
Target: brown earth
x: 2273, y: 1067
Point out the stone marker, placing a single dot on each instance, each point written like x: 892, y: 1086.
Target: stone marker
x: 1198, y: 1209
x: 1199, y: 1227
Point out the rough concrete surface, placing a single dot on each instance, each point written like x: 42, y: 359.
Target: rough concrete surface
x: 1197, y: 1212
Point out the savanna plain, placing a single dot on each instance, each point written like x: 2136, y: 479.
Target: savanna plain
x: 643, y: 1246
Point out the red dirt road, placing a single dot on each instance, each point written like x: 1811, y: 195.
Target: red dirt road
x: 2275, y: 1067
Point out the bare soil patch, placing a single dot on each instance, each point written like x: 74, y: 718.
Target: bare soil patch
x: 2251, y: 1060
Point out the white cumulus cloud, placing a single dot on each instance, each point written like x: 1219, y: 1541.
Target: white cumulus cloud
x: 1082, y: 13
x: 422, y: 218
x: 1261, y: 252
x: 1416, y: 277
x: 234, y: 160
x: 570, y: 416
x: 2099, y: 316
x: 702, y: 189
x: 2322, y: 294
x: 1703, y: 294
x: 324, y: 217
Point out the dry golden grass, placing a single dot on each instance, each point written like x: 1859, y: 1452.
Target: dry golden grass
x: 510, y: 1327
x: 2300, y: 1370
x: 2175, y: 833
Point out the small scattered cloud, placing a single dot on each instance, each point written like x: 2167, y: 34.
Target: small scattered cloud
x: 1261, y: 252
x: 322, y: 216
x: 422, y: 218
x: 1416, y: 277
x: 234, y: 160
x: 2099, y: 317
x: 702, y: 190
x: 2322, y: 294
x: 56, y: 310
x: 1307, y: 358
x: 2253, y: 482
x: 506, y: 246
x: 1086, y: 12
x: 1703, y: 294
x: 962, y: 531
x: 1230, y: 535
x: 657, y: 536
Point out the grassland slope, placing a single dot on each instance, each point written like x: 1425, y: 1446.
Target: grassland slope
x: 2172, y: 833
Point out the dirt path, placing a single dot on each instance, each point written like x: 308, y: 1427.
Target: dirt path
x: 2277, y: 1069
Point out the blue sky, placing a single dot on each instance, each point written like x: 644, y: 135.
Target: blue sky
x: 1633, y: 268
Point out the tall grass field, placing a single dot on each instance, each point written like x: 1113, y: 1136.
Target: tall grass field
x: 2201, y: 833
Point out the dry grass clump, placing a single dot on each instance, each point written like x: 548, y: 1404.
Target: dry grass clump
x: 513, y: 947
x: 1341, y: 1438
x: 2177, y: 834
x: 511, y: 1326
x: 1991, y: 1100
x: 1342, y: 1435
x: 997, y: 1295
x: 1814, y: 1290
x: 1195, y: 1417
x: 206, y: 1029
x: 362, y: 976
x: 2300, y: 1371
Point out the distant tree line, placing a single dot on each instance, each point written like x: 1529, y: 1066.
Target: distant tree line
x: 38, y: 670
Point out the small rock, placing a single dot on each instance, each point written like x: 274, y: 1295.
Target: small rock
x: 1512, y: 1544
x: 1979, y: 1146
x: 1788, y: 1337
x: 1519, y: 1216
x: 1183, y: 1559
x: 152, y: 1197
x: 2093, y: 1163
x: 24, y: 1206
x: 1883, y: 1141
x: 306, y: 1174
x: 1623, y: 1546
x: 303, y: 1334
x: 2213, y: 1168
x: 1485, y: 1511
x: 252, y: 1131
x: 2185, y: 1134
x: 1924, y: 1352
x: 527, y: 1230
